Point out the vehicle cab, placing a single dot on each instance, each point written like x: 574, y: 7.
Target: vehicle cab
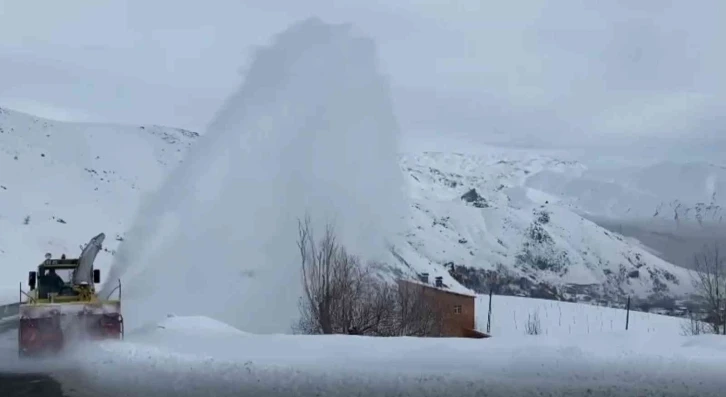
x: 53, y: 280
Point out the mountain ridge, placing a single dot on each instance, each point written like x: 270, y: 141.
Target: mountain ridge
x: 470, y: 215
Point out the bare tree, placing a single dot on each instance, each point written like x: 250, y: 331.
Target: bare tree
x: 694, y: 326
x: 710, y: 283
x: 375, y: 306
x: 364, y: 303
x: 343, y: 295
x: 416, y: 311
x: 318, y: 278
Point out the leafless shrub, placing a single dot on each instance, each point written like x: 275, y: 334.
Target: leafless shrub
x: 710, y: 284
x: 533, y: 325
x: 342, y: 295
x: 694, y: 326
x: 318, y: 279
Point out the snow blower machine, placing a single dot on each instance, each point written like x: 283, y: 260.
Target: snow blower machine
x: 63, y: 306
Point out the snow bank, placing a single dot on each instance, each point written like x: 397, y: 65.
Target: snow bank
x: 197, y: 356
x: 336, y: 365
x: 180, y: 330
x: 203, y: 325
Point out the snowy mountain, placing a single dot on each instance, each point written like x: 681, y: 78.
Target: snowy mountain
x: 477, y: 214
x: 672, y: 208
x: 665, y: 191
x: 62, y: 183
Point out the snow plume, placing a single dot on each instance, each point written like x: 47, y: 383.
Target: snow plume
x: 311, y: 130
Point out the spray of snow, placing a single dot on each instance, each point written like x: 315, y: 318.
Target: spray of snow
x: 311, y: 130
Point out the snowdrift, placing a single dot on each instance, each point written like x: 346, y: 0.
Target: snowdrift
x: 199, y: 356
x: 224, y: 364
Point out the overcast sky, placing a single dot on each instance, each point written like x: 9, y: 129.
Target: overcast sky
x: 530, y: 72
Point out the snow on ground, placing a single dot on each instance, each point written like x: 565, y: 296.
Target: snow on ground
x: 199, y: 356
x: 215, y: 361
x: 511, y: 314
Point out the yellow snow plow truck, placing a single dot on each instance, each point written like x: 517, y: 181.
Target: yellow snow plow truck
x: 62, y: 304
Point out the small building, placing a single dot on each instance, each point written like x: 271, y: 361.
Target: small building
x: 458, y: 309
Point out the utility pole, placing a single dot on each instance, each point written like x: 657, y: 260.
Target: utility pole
x: 489, y: 315
x: 627, y: 314
x: 492, y: 283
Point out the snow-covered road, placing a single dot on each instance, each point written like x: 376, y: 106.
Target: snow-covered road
x: 29, y: 385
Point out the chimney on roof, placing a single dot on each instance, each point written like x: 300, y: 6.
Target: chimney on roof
x: 439, y: 282
x: 424, y: 277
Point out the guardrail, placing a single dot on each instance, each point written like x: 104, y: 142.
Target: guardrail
x: 9, y: 323
x: 9, y: 310
x: 9, y: 317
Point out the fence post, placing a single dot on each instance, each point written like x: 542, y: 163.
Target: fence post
x: 627, y: 314
x: 489, y: 315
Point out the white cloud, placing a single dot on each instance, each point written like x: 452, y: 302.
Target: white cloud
x: 561, y: 72
x: 662, y: 114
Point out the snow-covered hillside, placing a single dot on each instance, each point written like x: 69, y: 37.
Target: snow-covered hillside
x: 62, y: 183
x: 672, y: 208
x: 664, y: 191
x: 477, y: 214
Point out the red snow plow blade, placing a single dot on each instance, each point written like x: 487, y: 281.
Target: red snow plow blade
x: 46, y: 329
x: 39, y: 336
